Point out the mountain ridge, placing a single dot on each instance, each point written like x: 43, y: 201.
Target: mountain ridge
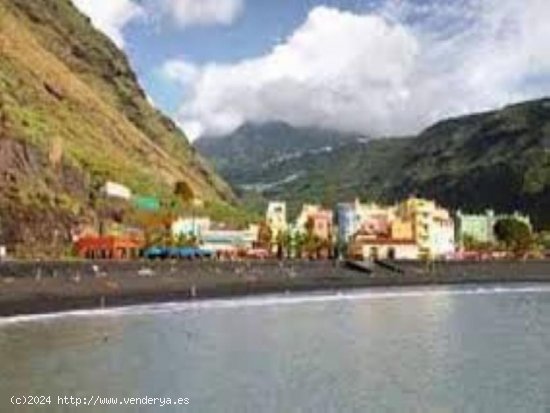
x: 496, y: 159
x: 247, y: 148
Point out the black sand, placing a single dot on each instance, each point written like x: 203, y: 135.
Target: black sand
x: 41, y: 287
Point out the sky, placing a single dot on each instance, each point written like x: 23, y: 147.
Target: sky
x: 372, y: 67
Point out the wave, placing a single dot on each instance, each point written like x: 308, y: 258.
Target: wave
x: 382, y: 293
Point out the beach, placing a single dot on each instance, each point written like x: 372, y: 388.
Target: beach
x: 44, y: 287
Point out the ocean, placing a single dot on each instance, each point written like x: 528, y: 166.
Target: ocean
x: 426, y: 349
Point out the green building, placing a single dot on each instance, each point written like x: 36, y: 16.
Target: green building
x: 146, y: 203
x: 481, y: 227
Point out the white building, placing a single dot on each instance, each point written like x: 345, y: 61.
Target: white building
x: 230, y: 241
x: 276, y: 218
x: 116, y: 190
x: 442, y: 237
x: 188, y: 227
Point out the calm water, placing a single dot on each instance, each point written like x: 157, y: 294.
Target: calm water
x: 411, y: 350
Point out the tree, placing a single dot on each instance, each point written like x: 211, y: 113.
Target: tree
x: 284, y: 243
x: 265, y: 236
x: 184, y: 240
x: 544, y: 240
x: 279, y: 241
x: 157, y: 226
x: 470, y: 243
x: 515, y: 235
x: 299, y: 242
x: 288, y: 244
x: 312, y: 243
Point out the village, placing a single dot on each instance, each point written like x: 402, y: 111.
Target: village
x: 413, y: 229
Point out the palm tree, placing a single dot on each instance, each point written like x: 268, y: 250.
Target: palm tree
x: 265, y: 236
x: 186, y: 240
x: 299, y: 244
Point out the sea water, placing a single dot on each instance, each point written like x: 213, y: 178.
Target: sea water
x: 460, y: 349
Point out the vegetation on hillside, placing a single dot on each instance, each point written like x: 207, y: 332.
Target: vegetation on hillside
x: 263, y: 146
x: 72, y: 115
x: 498, y: 160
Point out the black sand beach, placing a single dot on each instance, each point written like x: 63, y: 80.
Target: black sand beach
x: 42, y: 287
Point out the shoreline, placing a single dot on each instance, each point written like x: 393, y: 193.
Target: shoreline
x: 28, y: 288
x: 269, y: 299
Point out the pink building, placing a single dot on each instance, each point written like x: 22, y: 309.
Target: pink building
x: 320, y: 219
x: 376, y: 224
x: 322, y: 224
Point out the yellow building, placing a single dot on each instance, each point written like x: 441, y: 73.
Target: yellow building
x: 433, y: 227
x: 402, y: 229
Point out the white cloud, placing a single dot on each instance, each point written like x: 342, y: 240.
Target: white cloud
x: 180, y: 71
x: 390, y: 72
x: 204, y: 12
x: 110, y: 16
x: 193, y: 130
x: 315, y: 77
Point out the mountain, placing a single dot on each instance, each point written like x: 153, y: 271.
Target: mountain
x: 499, y: 159
x: 72, y: 115
x: 254, y: 148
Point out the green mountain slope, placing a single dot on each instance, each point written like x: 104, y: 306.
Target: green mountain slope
x: 73, y: 115
x: 255, y: 147
x: 499, y: 159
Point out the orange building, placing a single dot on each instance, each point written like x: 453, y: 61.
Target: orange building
x: 109, y: 247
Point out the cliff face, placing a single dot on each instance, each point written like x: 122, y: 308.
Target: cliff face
x: 72, y: 115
